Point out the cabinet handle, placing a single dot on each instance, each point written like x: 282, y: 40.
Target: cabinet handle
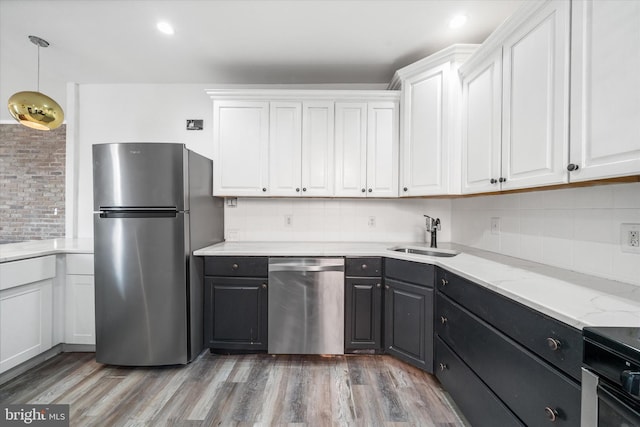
x: 386, y: 286
x: 378, y: 285
x: 443, y: 320
x: 501, y: 179
x: 370, y: 190
x: 443, y: 366
x: 553, y: 344
x: 298, y: 190
x: 363, y: 190
x: 444, y: 282
x: 234, y: 266
x: 493, y: 181
x: 552, y: 414
x: 304, y: 188
x: 405, y: 189
x: 364, y: 266
x: 264, y: 190
x: 264, y: 286
x: 572, y: 167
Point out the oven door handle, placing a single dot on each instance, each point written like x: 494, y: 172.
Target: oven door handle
x: 631, y: 382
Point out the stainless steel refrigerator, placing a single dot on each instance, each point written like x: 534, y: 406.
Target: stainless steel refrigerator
x: 153, y: 207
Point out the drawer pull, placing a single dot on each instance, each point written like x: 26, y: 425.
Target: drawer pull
x: 364, y: 266
x: 234, y: 266
x: 553, y: 344
x: 386, y: 286
x: 378, y: 285
x: 264, y: 286
x: 443, y: 320
x: 443, y: 366
x: 444, y: 282
x: 552, y: 414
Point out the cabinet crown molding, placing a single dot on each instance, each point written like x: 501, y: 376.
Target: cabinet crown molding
x: 454, y: 53
x: 303, y: 95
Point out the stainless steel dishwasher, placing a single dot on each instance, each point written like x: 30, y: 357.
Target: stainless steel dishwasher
x: 306, y: 306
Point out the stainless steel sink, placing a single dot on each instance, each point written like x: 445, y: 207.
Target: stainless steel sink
x: 424, y: 251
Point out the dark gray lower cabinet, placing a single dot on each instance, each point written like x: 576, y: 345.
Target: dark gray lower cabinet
x: 236, y: 303
x: 363, y: 314
x: 408, y: 312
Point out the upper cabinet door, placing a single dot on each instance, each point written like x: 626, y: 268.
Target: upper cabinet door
x: 536, y: 100
x: 285, y: 149
x: 241, y: 144
x: 424, y: 145
x: 605, y: 89
x: 382, y: 149
x: 481, y: 127
x: 317, y: 148
x: 351, y: 149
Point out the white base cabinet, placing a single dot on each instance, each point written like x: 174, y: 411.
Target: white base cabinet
x: 26, y: 309
x: 79, y: 316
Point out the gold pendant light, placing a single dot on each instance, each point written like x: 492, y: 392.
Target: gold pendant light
x: 35, y: 109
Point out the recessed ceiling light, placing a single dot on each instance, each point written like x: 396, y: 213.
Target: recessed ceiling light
x: 457, y: 21
x: 165, y: 28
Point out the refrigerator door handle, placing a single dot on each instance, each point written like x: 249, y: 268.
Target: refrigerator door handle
x: 138, y: 214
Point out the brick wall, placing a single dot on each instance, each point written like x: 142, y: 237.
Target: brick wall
x: 32, y: 169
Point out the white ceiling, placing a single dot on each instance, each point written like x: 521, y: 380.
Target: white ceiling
x: 228, y: 41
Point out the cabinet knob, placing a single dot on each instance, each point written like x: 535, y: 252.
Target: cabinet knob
x: 501, y: 179
x: 363, y: 190
x: 553, y: 343
x: 386, y: 286
x: 444, y: 282
x: 264, y: 286
x: 298, y: 190
x: 405, y: 189
x: 493, y: 181
x: 443, y: 366
x: 572, y: 167
x: 234, y: 266
x: 363, y: 266
x: 443, y: 320
x: 370, y: 190
x: 304, y: 188
x: 552, y: 414
x: 378, y: 285
x: 264, y: 190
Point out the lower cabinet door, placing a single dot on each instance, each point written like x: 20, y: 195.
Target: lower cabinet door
x: 362, y: 314
x: 409, y: 323
x: 478, y: 403
x: 236, y: 313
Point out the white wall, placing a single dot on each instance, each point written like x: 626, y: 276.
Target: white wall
x: 576, y: 229
x: 396, y: 220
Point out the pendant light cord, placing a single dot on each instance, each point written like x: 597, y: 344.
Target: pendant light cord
x: 38, y: 70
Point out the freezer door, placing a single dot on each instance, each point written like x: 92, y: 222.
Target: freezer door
x: 139, y: 175
x: 141, y: 288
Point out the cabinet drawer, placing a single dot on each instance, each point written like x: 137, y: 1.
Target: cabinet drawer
x: 363, y: 267
x: 236, y: 266
x: 554, y: 341
x: 477, y: 402
x: 524, y: 382
x: 79, y: 264
x: 409, y: 271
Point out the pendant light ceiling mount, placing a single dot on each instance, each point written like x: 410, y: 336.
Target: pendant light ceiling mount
x: 35, y: 109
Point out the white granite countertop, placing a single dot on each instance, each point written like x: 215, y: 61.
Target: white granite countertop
x: 36, y: 248
x: 576, y: 299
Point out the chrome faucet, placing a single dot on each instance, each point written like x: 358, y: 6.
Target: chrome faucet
x: 433, y: 225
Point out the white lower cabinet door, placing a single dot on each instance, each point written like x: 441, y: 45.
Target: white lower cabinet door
x: 605, y: 90
x: 26, y: 317
x: 80, y: 323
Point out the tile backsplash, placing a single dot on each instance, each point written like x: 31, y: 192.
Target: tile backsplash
x: 361, y: 220
x: 576, y: 229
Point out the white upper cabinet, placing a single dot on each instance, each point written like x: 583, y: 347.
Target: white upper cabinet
x: 317, y: 148
x: 482, y: 126
x: 367, y: 149
x: 241, y: 145
x: 605, y: 89
x: 285, y: 148
x: 430, y: 119
x: 535, y: 106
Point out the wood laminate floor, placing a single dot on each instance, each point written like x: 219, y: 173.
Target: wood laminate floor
x: 238, y: 390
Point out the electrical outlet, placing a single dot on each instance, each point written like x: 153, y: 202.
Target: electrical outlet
x: 495, y: 225
x: 288, y: 220
x: 630, y: 238
x: 372, y: 222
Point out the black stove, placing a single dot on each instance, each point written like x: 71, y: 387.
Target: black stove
x: 611, y: 376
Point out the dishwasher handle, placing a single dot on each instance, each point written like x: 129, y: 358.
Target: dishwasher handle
x: 306, y: 268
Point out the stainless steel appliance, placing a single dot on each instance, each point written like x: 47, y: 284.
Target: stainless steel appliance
x: 306, y: 306
x: 611, y: 377
x: 152, y: 208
